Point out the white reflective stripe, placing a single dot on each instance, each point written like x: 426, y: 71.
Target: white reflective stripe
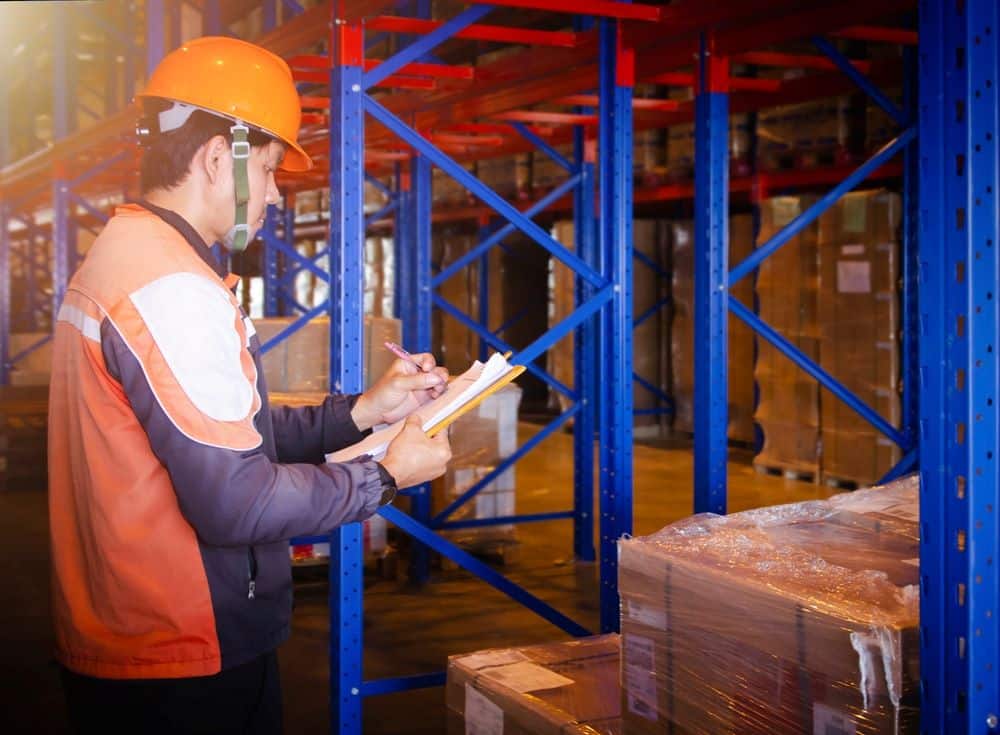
x: 88, y: 326
x: 193, y: 323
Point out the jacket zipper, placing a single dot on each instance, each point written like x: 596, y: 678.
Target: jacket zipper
x: 252, y: 572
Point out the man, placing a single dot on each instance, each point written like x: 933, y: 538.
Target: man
x: 174, y: 488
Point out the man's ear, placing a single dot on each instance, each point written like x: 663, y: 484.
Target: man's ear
x: 214, y: 157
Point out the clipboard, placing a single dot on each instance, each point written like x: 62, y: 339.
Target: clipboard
x: 506, y: 379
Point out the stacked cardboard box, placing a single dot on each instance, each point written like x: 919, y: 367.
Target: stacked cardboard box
x: 568, y: 688
x: 301, y: 363
x: 804, y: 135
x: 859, y: 328
x: 481, y: 440
x: 741, y: 338
x: 787, y: 294
x: 649, y: 339
x: 792, y: 619
x: 459, y: 346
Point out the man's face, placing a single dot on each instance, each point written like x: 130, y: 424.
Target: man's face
x: 262, y: 165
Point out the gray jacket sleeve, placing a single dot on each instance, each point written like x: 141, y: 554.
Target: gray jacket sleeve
x: 234, y: 498
x: 309, y: 433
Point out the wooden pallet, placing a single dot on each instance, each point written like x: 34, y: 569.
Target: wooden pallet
x: 789, y: 472
x: 842, y: 483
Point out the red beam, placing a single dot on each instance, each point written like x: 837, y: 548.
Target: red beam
x: 793, y: 61
x: 638, y: 103
x: 602, y: 8
x: 453, y: 139
x: 547, y: 118
x: 438, y: 71
x: 476, y: 32
x: 745, y: 84
x: 879, y: 34
x: 486, y: 128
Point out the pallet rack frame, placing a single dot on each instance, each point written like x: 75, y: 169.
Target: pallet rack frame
x: 951, y: 184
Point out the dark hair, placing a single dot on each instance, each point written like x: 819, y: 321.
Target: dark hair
x: 167, y: 160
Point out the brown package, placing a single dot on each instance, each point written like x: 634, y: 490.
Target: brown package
x: 649, y: 289
x: 787, y: 295
x: 569, y: 688
x: 859, y: 331
x: 480, y: 440
x: 741, y: 337
x: 301, y: 363
x: 778, y: 621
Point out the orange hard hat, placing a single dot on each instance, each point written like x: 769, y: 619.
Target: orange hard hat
x: 239, y: 80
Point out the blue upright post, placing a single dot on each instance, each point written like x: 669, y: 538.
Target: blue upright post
x: 4, y: 296
x: 484, y: 293
x: 211, y: 17
x: 32, y: 268
x: 711, y: 281
x: 959, y: 502
x: 61, y: 83
x: 616, y: 79
x: 5, y: 107
x: 418, y: 336
x: 60, y: 243
x: 347, y: 240
x: 155, y: 50
x: 270, y: 270
x: 270, y: 12
x: 911, y: 266
x: 585, y: 357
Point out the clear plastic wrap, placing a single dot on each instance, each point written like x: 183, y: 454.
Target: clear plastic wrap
x: 799, y: 618
x: 859, y: 323
x: 568, y: 688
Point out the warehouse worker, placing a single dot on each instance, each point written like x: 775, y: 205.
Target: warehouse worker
x: 174, y: 486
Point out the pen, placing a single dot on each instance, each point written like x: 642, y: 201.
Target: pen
x: 402, y: 354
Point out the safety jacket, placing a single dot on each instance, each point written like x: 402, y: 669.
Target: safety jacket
x: 173, y: 487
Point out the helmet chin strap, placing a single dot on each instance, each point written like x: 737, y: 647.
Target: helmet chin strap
x: 238, y: 237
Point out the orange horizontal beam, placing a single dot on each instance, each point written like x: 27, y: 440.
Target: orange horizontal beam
x: 476, y: 32
x: 743, y: 84
x: 879, y: 34
x: 601, y: 8
x: 638, y: 103
x: 793, y: 61
x: 546, y: 118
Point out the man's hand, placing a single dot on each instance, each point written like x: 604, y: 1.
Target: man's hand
x: 400, y: 391
x: 413, y: 458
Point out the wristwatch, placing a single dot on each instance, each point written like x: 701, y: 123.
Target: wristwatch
x: 388, y: 485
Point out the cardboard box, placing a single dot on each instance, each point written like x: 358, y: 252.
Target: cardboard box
x: 649, y: 358
x: 301, y: 363
x: 568, y: 688
x: 741, y: 337
x: 859, y: 324
x: 480, y: 440
x: 787, y: 299
x: 459, y: 346
x: 800, y: 618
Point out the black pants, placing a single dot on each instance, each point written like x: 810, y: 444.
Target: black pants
x: 245, y: 700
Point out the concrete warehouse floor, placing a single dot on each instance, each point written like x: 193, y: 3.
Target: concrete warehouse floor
x: 406, y: 631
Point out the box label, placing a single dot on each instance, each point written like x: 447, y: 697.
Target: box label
x: 477, y: 661
x: 854, y: 276
x: 852, y: 250
x: 785, y: 209
x: 855, y: 213
x: 828, y: 721
x: 646, y: 613
x: 526, y: 676
x: 640, y: 680
x: 482, y: 717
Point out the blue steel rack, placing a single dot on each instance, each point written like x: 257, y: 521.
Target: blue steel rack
x: 952, y: 210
